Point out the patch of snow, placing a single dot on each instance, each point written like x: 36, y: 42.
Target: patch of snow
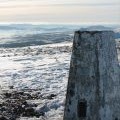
x: 38, y: 67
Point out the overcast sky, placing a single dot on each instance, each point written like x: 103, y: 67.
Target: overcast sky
x: 60, y: 11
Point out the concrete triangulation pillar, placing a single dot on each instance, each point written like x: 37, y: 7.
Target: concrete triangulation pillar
x: 93, y: 91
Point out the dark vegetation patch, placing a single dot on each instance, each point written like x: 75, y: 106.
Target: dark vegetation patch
x: 14, y: 104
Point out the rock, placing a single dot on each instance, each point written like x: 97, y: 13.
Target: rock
x: 1, y: 105
x: 11, y: 87
x: 3, y: 118
x: 29, y: 112
x: 38, y: 114
x: 42, y: 108
x: 7, y: 95
x: 3, y: 108
x: 51, y: 96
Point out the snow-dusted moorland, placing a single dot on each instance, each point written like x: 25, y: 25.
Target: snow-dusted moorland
x: 43, y: 69
x: 33, y: 79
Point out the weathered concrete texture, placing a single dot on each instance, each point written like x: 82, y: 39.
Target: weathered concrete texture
x: 94, y: 83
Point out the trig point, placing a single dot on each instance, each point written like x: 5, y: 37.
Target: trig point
x: 93, y: 91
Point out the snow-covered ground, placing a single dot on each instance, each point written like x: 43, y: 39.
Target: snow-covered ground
x: 43, y: 67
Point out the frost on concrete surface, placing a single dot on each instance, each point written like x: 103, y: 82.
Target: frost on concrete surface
x: 94, y: 83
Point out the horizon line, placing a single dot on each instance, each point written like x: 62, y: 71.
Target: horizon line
x: 66, y: 4
x: 74, y: 23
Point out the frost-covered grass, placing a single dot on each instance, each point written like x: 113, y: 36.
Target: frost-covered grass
x: 38, y: 67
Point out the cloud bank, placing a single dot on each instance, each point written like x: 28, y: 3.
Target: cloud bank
x: 60, y: 11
